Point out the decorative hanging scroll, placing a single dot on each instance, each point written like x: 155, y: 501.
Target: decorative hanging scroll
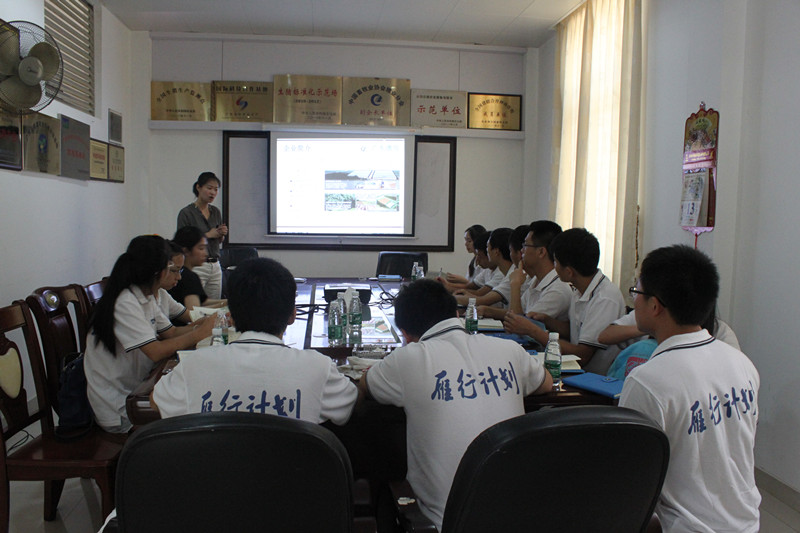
x: 699, y: 192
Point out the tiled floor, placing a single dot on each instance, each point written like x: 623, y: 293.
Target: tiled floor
x: 79, y: 510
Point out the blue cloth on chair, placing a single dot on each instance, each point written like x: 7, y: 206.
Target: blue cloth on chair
x: 634, y: 355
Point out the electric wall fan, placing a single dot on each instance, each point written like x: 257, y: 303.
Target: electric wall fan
x: 30, y: 67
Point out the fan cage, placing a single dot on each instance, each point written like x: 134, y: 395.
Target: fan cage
x: 31, y: 34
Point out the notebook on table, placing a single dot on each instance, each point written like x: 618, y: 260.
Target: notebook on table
x: 607, y: 386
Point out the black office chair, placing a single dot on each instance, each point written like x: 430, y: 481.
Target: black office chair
x: 231, y: 471
x: 571, y: 469
x: 400, y: 263
x: 229, y: 259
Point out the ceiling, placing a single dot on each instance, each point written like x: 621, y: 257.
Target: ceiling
x: 521, y: 23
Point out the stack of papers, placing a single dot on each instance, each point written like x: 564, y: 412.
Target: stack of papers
x: 200, y: 312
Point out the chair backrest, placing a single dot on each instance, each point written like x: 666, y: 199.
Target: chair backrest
x: 400, y: 263
x: 94, y: 291
x: 60, y: 335
x: 571, y: 469
x: 15, y: 322
x: 234, y: 256
x: 233, y: 472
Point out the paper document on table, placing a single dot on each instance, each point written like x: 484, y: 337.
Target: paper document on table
x: 200, y: 312
x: 487, y: 324
x: 569, y: 362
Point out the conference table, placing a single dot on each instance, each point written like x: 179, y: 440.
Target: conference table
x: 375, y: 434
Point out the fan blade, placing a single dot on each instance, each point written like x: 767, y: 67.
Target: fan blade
x: 9, y: 50
x: 50, y: 58
x: 18, y: 95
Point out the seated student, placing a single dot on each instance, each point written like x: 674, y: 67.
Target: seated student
x: 257, y: 372
x: 189, y: 289
x: 546, y: 293
x: 596, y: 302
x: 481, y: 260
x: 128, y: 332
x: 177, y: 313
x: 625, y: 329
x: 516, y: 243
x: 435, y: 379
x: 470, y: 235
x: 701, y: 391
x: 500, y: 257
x: 640, y: 351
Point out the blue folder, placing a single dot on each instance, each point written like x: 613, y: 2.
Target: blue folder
x: 607, y: 386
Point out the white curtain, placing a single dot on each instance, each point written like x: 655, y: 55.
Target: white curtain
x: 598, y: 108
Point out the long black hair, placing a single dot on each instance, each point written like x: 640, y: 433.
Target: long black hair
x: 473, y: 232
x: 140, y: 265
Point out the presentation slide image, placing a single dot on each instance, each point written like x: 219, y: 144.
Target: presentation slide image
x: 362, y: 201
x: 362, y: 179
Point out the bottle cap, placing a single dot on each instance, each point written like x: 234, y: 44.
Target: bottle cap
x: 471, y: 301
x: 553, y: 336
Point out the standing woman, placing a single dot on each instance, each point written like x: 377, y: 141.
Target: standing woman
x: 128, y: 331
x: 208, y: 218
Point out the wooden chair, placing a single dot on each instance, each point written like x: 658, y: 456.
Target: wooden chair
x: 93, y: 292
x: 42, y: 458
x: 60, y: 335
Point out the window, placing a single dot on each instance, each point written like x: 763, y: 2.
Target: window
x: 71, y: 23
x: 597, y: 115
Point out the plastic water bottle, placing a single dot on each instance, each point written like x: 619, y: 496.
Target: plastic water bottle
x: 221, y: 324
x: 552, y: 358
x: 343, y: 311
x: 355, y: 320
x: 420, y: 271
x: 335, y: 330
x: 471, y: 318
x: 414, y: 270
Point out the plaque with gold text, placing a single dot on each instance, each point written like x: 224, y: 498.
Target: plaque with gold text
x: 41, y: 141
x: 495, y: 111
x: 180, y: 100
x: 10, y: 141
x: 98, y: 164
x: 74, y: 148
x: 307, y: 99
x: 242, y: 101
x: 438, y: 109
x: 376, y: 101
x: 116, y: 163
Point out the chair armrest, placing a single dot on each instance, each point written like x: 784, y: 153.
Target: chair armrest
x: 409, y: 515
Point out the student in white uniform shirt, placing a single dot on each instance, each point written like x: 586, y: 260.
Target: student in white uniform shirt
x: 172, y: 309
x: 128, y: 332
x: 258, y: 372
x: 500, y: 256
x: 481, y: 277
x: 470, y: 234
x: 701, y: 391
x: 516, y: 243
x: 546, y: 293
x: 596, y: 302
x: 436, y: 378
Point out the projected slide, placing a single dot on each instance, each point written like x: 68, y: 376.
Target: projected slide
x: 341, y: 185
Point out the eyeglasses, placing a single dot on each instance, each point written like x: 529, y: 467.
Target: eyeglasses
x: 176, y: 270
x: 633, y: 291
x: 526, y: 245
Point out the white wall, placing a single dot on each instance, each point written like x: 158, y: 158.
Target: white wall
x: 740, y: 57
x: 59, y: 230
x: 489, y: 172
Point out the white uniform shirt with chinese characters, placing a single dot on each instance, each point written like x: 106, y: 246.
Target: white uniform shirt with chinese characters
x: 704, y: 394
x: 257, y: 373
x: 452, y: 386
